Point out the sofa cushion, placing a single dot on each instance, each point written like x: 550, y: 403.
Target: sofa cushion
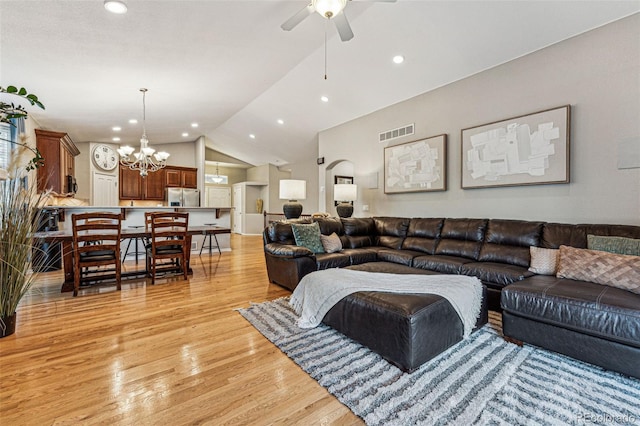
x: 615, y: 270
x: 440, y: 263
x: 391, y: 231
x: 508, y: 241
x: 544, y: 261
x: 423, y: 235
x: 404, y: 257
x: 497, y: 273
x: 361, y: 255
x: 281, y: 232
x: 329, y: 225
x: 461, y: 238
x: 332, y: 260
x: 331, y: 243
x: 354, y: 226
x: 308, y: 235
x: 619, y: 245
x: 581, y: 306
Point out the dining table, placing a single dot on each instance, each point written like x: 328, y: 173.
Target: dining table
x: 65, y: 238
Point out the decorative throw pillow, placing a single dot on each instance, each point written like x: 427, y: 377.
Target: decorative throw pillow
x: 615, y: 270
x: 331, y: 243
x: 619, y: 245
x: 544, y: 261
x: 308, y: 235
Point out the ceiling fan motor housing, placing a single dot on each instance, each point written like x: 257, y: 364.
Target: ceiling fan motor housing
x: 328, y: 8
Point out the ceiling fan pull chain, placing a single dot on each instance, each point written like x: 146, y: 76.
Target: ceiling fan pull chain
x: 325, y: 48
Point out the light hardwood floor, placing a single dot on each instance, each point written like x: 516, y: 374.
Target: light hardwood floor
x: 174, y: 353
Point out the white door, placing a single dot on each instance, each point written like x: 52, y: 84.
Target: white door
x: 237, y: 208
x: 105, y: 190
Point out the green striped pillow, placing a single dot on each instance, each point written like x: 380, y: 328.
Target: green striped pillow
x: 618, y: 245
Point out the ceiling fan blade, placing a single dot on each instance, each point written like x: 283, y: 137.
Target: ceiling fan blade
x: 297, y: 18
x: 344, y: 29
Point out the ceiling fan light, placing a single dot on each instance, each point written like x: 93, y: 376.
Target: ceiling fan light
x: 328, y: 8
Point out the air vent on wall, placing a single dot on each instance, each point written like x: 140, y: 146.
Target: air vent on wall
x: 396, y: 133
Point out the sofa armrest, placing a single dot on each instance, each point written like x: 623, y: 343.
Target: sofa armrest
x: 287, y: 250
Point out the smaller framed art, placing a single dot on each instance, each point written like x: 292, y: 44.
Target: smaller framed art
x: 530, y: 149
x: 416, y: 166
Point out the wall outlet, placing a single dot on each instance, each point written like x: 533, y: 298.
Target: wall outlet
x: 194, y: 245
x: 365, y: 207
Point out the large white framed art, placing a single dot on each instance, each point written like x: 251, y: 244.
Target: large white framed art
x: 531, y: 149
x: 416, y: 166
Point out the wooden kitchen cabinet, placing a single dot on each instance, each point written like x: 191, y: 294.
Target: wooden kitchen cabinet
x: 135, y: 187
x: 153, y: 186
x: 181, y: 177
x: 58, y: 151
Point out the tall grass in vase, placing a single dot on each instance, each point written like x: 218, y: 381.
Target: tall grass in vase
x: 19, y: 214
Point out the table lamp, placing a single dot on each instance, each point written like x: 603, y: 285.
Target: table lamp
x: 345, y: 193
x: 292, y: 190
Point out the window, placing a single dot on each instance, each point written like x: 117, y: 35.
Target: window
x: 212, y: 179
x: 8, y: 137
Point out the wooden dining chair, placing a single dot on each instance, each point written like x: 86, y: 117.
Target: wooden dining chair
x: 168, y: 243
x: 96, y: 243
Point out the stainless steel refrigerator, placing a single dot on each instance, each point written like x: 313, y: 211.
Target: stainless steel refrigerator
x: 183, y: 197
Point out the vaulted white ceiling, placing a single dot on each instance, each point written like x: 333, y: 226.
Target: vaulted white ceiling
x: 229, y: 67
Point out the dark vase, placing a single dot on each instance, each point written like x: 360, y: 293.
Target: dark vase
x: 7, y: 325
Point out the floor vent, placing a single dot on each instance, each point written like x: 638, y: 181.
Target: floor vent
x: 396, y: 133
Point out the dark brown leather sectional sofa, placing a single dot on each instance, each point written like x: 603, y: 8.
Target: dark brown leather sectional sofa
x: 587, y: 321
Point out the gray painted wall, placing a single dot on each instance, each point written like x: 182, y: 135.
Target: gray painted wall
x: 598, y: 73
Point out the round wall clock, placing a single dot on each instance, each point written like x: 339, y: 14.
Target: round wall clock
x: 105, y: 157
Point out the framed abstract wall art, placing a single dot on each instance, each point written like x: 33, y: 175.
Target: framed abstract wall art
x: 416, y: 166
x: 530, y: 149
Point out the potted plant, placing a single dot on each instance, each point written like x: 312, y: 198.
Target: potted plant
x: 19, y: 211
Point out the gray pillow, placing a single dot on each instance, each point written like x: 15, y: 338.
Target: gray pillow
x: 331, y: 243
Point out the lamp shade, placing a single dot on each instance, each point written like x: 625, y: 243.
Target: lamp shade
x: 291, y: 189
x: 345, y: 192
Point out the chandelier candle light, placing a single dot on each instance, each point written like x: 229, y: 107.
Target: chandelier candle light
x: 142, y: 160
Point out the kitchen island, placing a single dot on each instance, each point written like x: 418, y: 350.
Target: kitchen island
x: 133, y: 216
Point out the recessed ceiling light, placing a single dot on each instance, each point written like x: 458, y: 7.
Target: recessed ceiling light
x: 133, y: 121
x: 252, y: 136
x: 324, y: 99
x: 194, y: 125
x: 280, y: 121
x: 115, y: 6
x: 185, y: 134
x: 116, y: 128
x: 116, y: 139
x: 398, y: 59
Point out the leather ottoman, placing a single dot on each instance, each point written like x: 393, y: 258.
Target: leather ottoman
x: 405, y: 329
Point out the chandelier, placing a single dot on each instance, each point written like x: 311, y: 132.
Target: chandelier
x: 143, y: 160
x: 217, y: 178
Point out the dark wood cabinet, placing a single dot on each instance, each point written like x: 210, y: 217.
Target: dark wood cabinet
x: 58, y: 151
x: 134, y: 187
x: 130, y: 184
x: 190, y: 178
x: 181, y: 177
x: 153, y: 186
x: 173, y: 177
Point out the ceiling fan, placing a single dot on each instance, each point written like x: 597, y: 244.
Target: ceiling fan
x: 329, y: 9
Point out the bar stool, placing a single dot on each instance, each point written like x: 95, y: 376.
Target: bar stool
x: 136, y: 252
x: 205, y: 240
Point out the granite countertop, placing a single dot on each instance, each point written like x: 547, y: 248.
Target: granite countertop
x: 133, y: 207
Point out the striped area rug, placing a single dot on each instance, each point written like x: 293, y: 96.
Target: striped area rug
x: 481, y: 380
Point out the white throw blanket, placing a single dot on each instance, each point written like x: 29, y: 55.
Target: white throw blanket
x: 319, y: 291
